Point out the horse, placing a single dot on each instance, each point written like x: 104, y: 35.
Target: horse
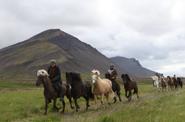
x: 129, y: 85
x: 179, y: 81
x: 163, y: 83
x: 176, y: 84
x: 115, y: 87
x: 79, y: 89
x: 101, y: 87
x: 170, y: 83
x: 49, y: 92
x: 156, y: 81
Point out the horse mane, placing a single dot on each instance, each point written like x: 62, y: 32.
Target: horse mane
x: 107, y: 75
x: 42, y: 72
x: 127, y: 77
x: 73, y: 77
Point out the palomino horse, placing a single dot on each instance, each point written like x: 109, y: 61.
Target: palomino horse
x: 129, y: 85
x: 49, y: 92
x: 101, y: 87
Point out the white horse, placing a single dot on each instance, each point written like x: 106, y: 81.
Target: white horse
x: 156, y: 81
x: 101, y: 87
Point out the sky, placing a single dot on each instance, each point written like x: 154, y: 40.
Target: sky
x: 152, y: 31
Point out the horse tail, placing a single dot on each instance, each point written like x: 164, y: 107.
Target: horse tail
x: 135, y: 88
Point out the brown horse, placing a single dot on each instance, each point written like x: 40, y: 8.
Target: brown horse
x: 176, y: 84
x: 170, y: 83
x: 129, y: 85
x: 163, y: 84
x: 50, y: 93
x: 115, y: 87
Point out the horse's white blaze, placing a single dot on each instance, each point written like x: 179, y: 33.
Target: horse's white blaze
x: 94, y: 78
x: 42, y: 72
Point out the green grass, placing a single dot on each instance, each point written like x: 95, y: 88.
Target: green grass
x: 25, y: 103
x: 5, y: 85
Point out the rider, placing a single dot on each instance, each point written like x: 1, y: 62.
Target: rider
x: 55, y: 76
x: 175, y: 77
x: 113, y: 73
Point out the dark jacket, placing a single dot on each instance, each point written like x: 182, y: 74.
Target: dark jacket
x: 55, y: 74
x: 113, y: 74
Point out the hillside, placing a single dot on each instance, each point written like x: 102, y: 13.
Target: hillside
x: 132, y: 67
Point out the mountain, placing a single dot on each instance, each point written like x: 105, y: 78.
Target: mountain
x: 132, y: 67
x: 23, y: 59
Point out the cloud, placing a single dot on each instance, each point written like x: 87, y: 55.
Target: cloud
x: 151, y: 31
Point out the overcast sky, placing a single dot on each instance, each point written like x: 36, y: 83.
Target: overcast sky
x: 152, y: 31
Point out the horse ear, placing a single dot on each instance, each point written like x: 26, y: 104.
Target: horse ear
x: 38, y: 73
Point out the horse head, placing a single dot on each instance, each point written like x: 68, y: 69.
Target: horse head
x: 125, y: 78
x: 95, y: 75
x: 41, y: 75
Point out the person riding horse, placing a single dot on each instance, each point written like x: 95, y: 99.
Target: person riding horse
x: 113, y: 73
x: 55, y: 77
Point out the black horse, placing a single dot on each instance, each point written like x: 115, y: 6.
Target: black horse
x: 129, y: 85
x: 115, y: 87
x: 79, y: 89
x: 179, y: 81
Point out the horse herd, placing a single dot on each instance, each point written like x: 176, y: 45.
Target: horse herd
x: 74, y: 88
x: 167, y: 83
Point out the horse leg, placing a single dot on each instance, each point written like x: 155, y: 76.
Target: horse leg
x: 119, y: 95
x: 130, y: 96
x: 136, y: 92
x: 64, y: 105
x: 102, y: 98
x: 76, y: 105
x: 46, y: 106
x: 54, y: 104
x: 126, y: 94
x: 87, y: 102
x: 70, y: 102
x: 115, y: 99
x: 107, y: 97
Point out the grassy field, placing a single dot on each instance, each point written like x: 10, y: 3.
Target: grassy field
x: 21, y: 102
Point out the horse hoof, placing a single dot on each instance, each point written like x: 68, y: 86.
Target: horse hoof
x: 115, y: 100
x: 102, y: 102
x: 55, y: 109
